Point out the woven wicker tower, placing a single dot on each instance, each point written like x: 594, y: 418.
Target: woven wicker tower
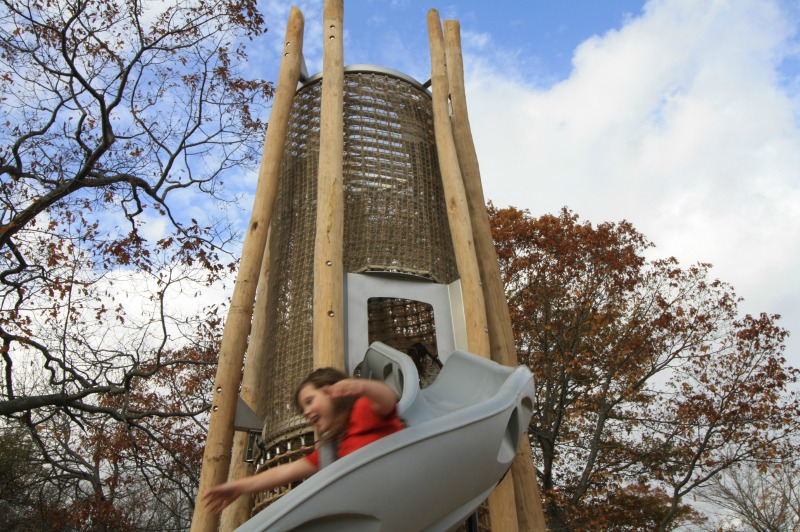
x: 372, y: 236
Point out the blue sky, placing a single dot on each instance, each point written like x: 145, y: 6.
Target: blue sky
x: 680, y: 116
x: 543, y: 34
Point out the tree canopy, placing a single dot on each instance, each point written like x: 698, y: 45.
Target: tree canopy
x: 120, y: 119
x: 648, y: 381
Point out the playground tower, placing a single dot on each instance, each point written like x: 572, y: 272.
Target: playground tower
x: 368, y: 224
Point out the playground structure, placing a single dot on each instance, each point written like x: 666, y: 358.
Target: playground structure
x: 368, y: 224
x: 459, y: 442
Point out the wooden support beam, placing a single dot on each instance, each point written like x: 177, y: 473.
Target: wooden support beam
x: 500, y: 333
x: 217, y: 453
x: 455, y: 197
x: 253, y: 384
x: 328, y: 311
x: 525, y: 489
x: 530, y: 516
x: 501, y: 502
x: 530, y: 513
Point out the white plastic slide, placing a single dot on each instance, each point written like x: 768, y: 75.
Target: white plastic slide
x: 461, y: 437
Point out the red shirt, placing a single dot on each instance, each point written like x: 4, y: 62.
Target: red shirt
x: 364, y: 427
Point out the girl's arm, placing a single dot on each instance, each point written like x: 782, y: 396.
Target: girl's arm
x: 379, y: 393
x: 219, y: 497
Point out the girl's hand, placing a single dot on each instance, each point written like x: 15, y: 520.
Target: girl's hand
x: 345, y: 388
x: 219, y: 497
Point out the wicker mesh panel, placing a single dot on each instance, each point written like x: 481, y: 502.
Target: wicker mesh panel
x: 401, y: 323
x: 395, y: 218
x: 289, y: 339
x: 289, y: 448
x: 484, y: 520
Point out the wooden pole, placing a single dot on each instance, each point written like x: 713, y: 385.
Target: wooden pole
x: 239, y: 511
x: 501, y: 501
x: 530, y: 513
x: 500, y: 332
x: 530, y: 516
x: 457, y: 210
x: 217, y: 454
x: 253, y: 382
x: 328, y: 311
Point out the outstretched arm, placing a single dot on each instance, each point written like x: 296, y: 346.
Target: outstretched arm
x: 219, y: 497
x: 379, y: 393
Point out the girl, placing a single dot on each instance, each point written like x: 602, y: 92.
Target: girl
x: 348, y: 413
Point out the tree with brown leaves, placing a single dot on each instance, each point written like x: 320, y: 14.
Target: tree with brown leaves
x: 119, y: 118
x: 649, y: 383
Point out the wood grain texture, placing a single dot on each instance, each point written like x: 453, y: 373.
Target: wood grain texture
x: 530, y: 516
x: 328, y: 311
x: 217, y: 453
x: 455, y: 196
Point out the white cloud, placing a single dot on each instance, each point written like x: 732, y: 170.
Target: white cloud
x: 678, y: 122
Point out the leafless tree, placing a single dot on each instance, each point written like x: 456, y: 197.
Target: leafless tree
x: 752, y: 497
x: 120, y: 119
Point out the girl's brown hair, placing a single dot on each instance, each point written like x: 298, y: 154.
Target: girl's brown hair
x: 342, y: 406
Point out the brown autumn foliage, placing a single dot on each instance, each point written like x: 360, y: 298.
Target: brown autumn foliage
x: 118, y: 121
x: 649, y: 383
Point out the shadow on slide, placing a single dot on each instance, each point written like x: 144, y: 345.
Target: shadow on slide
x: 461, y: 437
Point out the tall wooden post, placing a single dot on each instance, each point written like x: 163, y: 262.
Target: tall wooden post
x: 501, y: 502
x: 328, y: 312
x: 523, y: 475
x: 457, y: 210
x: 217, y: 453
x: 253, y: 383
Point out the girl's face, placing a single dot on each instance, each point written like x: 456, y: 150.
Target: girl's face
x: 317, y: 407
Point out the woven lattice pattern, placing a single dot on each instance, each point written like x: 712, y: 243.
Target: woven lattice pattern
x: 395, y: 220
x: 406, y: 325
x: 484, y: 520
x: 288, y: 449
x: 289, y: 297
x: 400, y: 323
